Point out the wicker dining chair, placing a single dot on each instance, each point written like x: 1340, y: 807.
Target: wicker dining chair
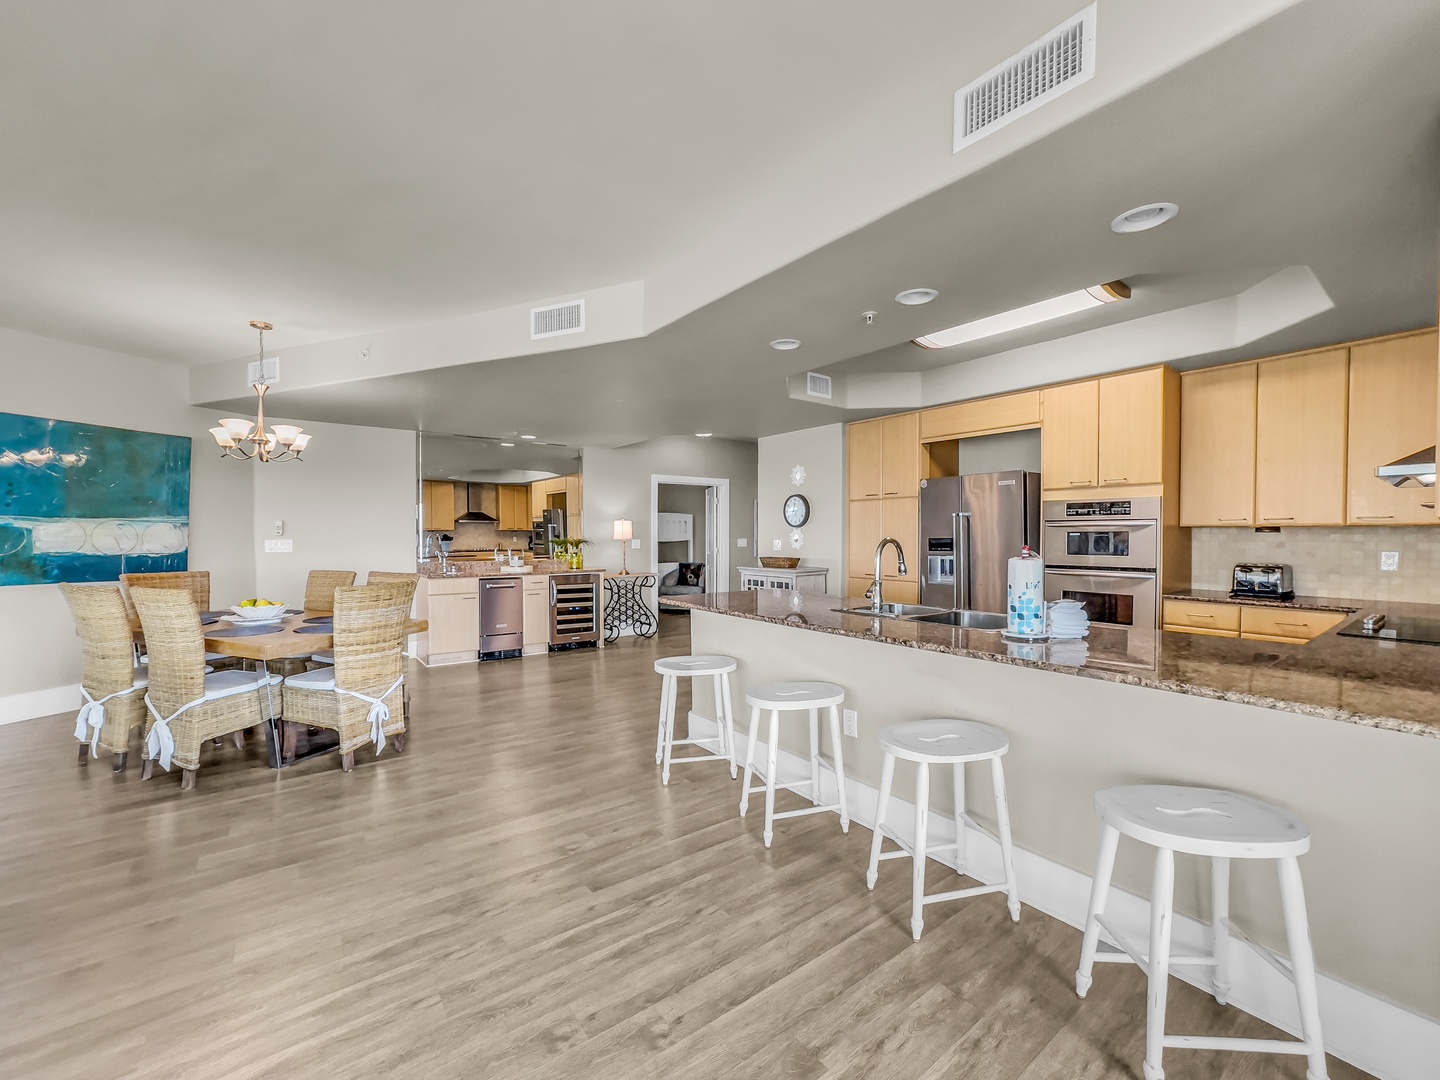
x: 362, y: 697
x: 196, y: 581
x: 320, y: 588
x: 112, y: 685
x: 185, y: 705
x: 375, y: 577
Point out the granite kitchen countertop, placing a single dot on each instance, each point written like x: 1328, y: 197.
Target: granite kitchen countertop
x: 491, y: 568
x: 1298, y: 603
x: 1380, y: 684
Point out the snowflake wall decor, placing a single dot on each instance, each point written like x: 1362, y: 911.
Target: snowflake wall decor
x: 797, y: 539
x: 797, y: 475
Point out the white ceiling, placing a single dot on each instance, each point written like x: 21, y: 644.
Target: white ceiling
x: 170, y: 176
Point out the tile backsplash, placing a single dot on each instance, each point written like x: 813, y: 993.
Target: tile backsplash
x: 1327, y: 562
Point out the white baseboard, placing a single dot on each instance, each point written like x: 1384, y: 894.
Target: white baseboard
x: 1385, y: 1039
x: 56, y: 699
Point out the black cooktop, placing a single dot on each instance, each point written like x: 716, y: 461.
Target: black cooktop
x: 1396, y: 628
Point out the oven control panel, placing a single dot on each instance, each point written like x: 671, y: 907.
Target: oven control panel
x: 1112, y: 509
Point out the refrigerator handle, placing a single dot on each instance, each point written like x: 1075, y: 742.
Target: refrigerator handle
x: 960, y: 541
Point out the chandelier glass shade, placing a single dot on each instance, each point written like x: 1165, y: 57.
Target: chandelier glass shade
x: 245, y: 440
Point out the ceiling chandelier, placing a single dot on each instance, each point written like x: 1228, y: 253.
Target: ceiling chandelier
x: 244, y: 440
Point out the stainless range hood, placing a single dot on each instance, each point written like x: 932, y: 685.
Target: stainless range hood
x: 474, y: 493
x: 1416, y: 469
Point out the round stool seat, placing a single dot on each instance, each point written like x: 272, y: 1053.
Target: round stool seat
x: 943, y: 742
x: 795, y: 695
x: 1203, y: 821
x: 695, y: 665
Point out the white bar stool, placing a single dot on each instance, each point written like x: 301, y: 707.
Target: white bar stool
x: 674, y: 668
x: 942, y: 742
x: 791, y: 697
x: 1223, y: 826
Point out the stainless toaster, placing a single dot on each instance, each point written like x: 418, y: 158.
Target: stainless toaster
x: 1262, y: 581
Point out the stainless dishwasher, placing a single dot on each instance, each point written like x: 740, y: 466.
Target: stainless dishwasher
x: 502, y: 617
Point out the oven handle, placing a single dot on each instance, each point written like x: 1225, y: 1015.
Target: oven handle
x: 1106, y: 525
x: 1100, y: 573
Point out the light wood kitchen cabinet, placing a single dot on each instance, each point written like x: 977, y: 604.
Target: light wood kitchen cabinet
x: 1070, y: 436
x: 1301, y: 405
x: 900, y: 455
x: 574, y: 505
x: 1198, y: 617
x: 452, y: 608
x: 900, y: 518
x: 1132, y: 427
x: 1392, y: 414
x: 1287, y: 625
x: 514, y: 508
x: 437, y: 505
x: 537, y: 615
x: 865, y: 531
x: 984, y: 417
x: 863, y: 449
x: 1217, y: 446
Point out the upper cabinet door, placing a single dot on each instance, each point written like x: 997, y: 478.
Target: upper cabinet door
x: 1392, y: 415
x: 1217, y: 446
x: 1301, y: 406
x: 900, y: 455
x: 1069, y: 436
x: 863, y: 466
x: 1132, y: 428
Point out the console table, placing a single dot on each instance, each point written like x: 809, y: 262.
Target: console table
x: 803, y: 579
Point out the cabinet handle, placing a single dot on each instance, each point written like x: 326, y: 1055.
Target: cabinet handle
x: 1278, y: 519
x: 1193, y: 615
x: 1116, y: 479
x: 1302, y: 625
x: 1374, y: 517
x: 1238, y: 519
x: 1082, y: 483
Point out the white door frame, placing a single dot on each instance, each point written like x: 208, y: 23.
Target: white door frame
x: 717, y: 576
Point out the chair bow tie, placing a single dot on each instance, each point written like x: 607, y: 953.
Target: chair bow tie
x: 91, y: 718
x: 379, y: 714
x: 160, y: 743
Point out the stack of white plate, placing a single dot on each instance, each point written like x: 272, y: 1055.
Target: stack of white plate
x: 1068, y: 619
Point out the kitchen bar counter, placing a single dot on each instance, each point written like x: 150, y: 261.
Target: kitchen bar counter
x: 1377, y: 684
x: 1303, y: 603
x: 491, y: 568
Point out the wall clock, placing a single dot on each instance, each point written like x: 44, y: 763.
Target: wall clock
x: 797, y: 511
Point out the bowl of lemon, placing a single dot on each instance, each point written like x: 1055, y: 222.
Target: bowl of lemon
x: 259, y: 610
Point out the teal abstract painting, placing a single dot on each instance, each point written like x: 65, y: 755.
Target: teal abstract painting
x: 81, y: 502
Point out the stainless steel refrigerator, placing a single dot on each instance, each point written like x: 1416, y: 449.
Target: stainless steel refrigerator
x: 970, y: 526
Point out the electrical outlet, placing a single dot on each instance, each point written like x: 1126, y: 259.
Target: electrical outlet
x: 1389, y: 560
x: 275, y: 547
x: 852, y: 723
x: 279, y: 528
x: 776, y: 545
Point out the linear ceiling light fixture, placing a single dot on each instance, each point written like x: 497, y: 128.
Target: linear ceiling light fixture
x: 283, y: 442
x: 1029, y: 315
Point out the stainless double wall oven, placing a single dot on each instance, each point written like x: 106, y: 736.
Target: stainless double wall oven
x: 1106, y: 554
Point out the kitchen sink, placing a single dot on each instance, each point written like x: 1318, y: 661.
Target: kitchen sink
x: 894, y: 611
x: 966, y: 620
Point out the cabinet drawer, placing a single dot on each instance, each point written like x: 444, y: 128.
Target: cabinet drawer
x: 534, y: 584
x: 1286, y: 623
x: 1200, y: 618
x: 456, y: 586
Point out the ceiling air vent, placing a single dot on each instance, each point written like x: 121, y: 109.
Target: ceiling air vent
x: 1044, y: 69
x: 556, y: 319
x: 817, y: 385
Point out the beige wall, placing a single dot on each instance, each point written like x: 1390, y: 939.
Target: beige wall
x: 350, y: 505
x: 59, y: 380
x: 1327, y: 562
x: 1369, y: 796
x: 822, y: 451
x: 617, y: 485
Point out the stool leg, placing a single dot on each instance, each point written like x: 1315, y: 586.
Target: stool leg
x: 1220, y: 932
x: 835, y: 737
x: 669, y: 733
x: 665, y: 681
x: 959, y: 771
x: 1099, y: 890
x: 729, y: 722
x: 1162, y: 915
x: 877, y: 838
x: 917, y: 866
x: 750, y: 759
x: 815, y: 756
x: 771, y: 763
x: 719, y: 715
x: 1302, y: 963
x: 1007, y: 849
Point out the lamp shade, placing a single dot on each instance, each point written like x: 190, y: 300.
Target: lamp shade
x: 624, y: 529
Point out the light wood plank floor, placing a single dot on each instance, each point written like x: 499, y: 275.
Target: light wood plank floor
x: 516, y: 896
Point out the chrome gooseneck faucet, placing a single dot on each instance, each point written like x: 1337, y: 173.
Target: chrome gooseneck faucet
x: 877, y: 595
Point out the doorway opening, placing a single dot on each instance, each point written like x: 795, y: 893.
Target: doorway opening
x: 689, y: 530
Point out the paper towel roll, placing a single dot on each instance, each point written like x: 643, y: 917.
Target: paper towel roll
x: 1025, y: 589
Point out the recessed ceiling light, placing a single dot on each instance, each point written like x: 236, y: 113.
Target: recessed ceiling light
x: 703, y: 434
x: 915, y: 296
x: 527, y: 436
x: 1144, y: 217
x: 785, y: 343
x: 1029, y: 315
x: 507, y: 444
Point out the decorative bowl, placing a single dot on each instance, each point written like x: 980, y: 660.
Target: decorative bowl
x: 776, y: 562
x: 259, y: 612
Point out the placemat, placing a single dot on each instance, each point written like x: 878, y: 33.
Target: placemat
x: 314, y: 629
x: 244, y: 631
x: 328, y: 619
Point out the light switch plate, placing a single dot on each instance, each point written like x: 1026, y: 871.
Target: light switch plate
x: 776, y: 545
x: 275, y: 547
x: 743, y: 542
x: 852, y: 723
x: 1389, y: 560
x: 634, y: 545
x: 279, y: 528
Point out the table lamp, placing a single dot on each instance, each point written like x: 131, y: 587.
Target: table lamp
x: 624, y: 532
